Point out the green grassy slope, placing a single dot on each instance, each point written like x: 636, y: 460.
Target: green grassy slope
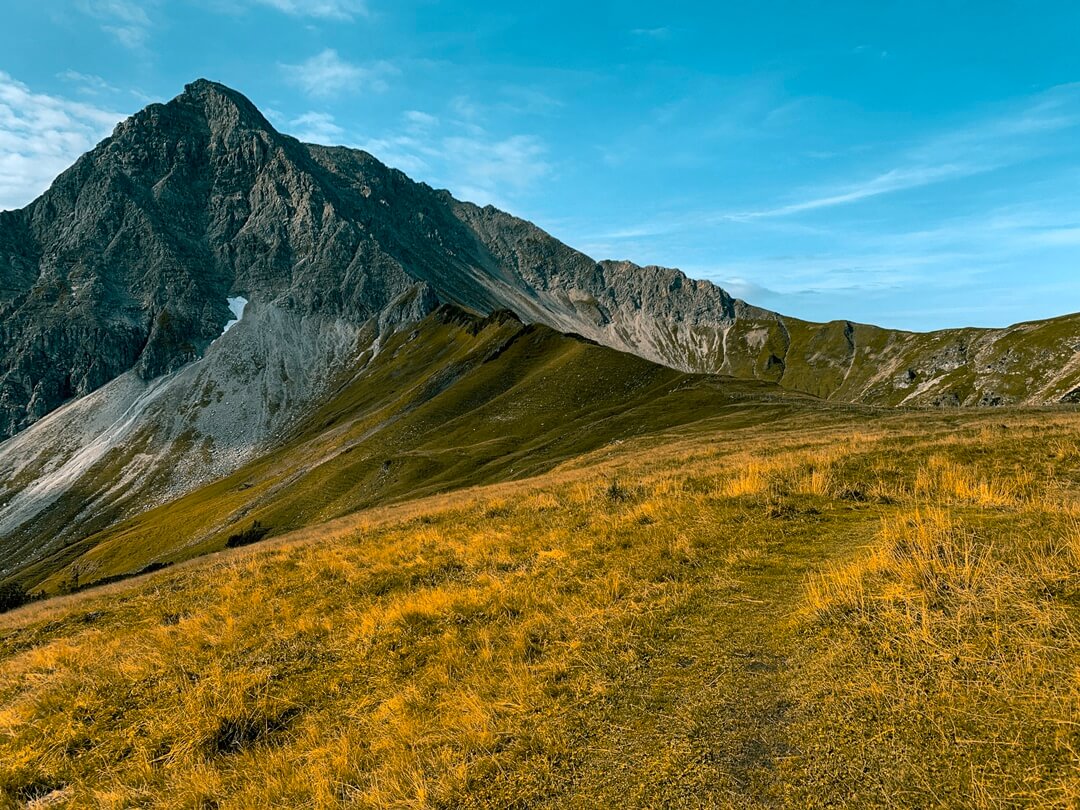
x: 1029, y: 363
x: 455, y: 402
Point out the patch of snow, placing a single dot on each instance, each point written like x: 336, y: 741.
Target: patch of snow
x: 236, y: 305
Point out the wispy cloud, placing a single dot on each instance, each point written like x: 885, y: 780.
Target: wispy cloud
x: 1046, y: 221
x: 127, y: 21
x: 484, y: 170
x: 1007, y: 138
x: 462, y: 156
x: 40, y: 136
x: 87, y: 83
x: 327, y: 74
x: 891, y: 181
x: 982, y: 146
x: 993, y: 239
x: 316, y: 127
x: 419, y: 122
x: 321, y: 9
x: 966, y: 264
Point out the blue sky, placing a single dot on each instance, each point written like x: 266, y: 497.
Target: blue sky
x: 913, y: 164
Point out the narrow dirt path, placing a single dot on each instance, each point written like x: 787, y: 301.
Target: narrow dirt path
x: 704, y: 722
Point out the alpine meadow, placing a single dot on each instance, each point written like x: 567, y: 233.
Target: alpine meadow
x: 323, y: 487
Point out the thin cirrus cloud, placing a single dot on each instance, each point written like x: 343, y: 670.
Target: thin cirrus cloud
x: 888, y: 182
x: 316, y: 127
x: 326, y: 74
x: 483, y: 169
x: 128, y: 22
x: 981, y: 146
x: 88, y: 83
x: 40, y: 136
x: 474, y: 164
x: 320, y: 9
x: 1002, y: 199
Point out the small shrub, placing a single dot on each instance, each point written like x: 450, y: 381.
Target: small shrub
x: 13, y: 595
x: 616, y: 492
x: 252, y: 534
x: 854, y: 494
x: 236, y: 734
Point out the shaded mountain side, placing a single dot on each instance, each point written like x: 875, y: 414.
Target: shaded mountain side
x: 126, y: 262
x: 132, y: 443
x: 456, y: 401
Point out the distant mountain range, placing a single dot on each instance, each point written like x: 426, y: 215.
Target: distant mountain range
x: 368, y: 305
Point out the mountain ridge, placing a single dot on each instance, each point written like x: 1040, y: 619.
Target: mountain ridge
x: 458, y: 399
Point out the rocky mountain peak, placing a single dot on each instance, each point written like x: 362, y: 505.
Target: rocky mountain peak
x: 206, y: 121
x: 224, y: 109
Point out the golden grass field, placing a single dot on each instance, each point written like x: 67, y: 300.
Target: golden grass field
x: 860, y: 610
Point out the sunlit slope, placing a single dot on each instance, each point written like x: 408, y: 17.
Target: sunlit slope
x: 817, y: 612
x: 1030, y: 363
x: 457, y: 401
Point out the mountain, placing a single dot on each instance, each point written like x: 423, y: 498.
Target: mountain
x: 121, y: 390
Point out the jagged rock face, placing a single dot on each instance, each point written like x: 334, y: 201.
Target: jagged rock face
x: 125, y: 264
x: 655, y: 312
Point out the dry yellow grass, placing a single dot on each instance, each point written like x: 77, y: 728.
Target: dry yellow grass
x: 957, y: 636
x: 822, y: 615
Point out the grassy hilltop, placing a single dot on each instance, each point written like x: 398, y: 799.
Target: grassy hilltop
x: 825, y: 610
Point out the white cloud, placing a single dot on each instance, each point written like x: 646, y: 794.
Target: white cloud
x: 127, y: 21
x: 1006, y: 139
x: 474, y: 166
x: 316, y: 127
x: 484, y: 170
x: 327, y: 74
x: 1009, y: 137
x: 419, y: 122
x: 322, y: 9
x: 885, y: 183
x: 472, y: 163
x: 40, y: 136
x: 465, y: 108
